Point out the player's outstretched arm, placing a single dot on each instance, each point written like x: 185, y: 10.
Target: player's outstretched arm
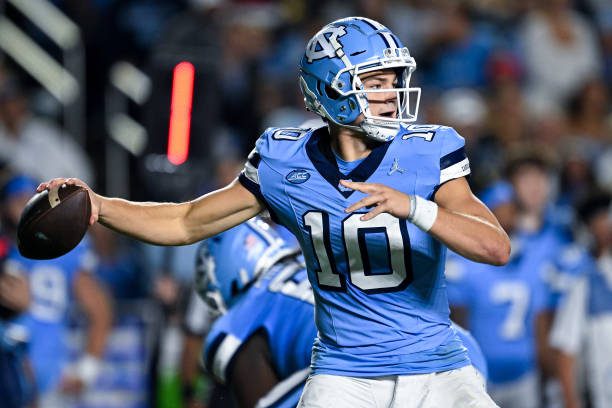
x: 96, y: 304
x: 171, y: 223
x: 457, y: 218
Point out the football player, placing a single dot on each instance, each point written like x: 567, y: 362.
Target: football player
x: 583, y: 323
x: 374, y: 201
x: 266, y: 328
x: 530, y: 173
x: 16, y: 383
x: 53, y: 285
x: 499, y: 305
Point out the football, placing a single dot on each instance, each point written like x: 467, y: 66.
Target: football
x: 53, y: 222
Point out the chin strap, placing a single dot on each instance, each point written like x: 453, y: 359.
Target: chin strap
x: 377, y: 132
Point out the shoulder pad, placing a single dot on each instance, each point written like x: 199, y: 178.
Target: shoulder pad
x: 444, y: 139
x: 281, y: 143
x: 428, y: 132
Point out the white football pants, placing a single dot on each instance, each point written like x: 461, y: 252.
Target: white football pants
x: 460, y: 388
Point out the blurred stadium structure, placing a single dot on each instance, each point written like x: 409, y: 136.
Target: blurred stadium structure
x: 62, y: 77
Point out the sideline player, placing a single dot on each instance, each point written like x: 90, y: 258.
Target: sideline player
x: 499, y: 306
x: 583, y: 323
x: 373, y: 202
x: 16, y: 382
x: 54, y: 284
x: 266, y: 328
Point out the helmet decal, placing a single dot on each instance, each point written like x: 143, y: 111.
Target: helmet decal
x: 325, y: 44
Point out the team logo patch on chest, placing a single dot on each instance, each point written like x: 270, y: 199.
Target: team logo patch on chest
x: 298, y: 176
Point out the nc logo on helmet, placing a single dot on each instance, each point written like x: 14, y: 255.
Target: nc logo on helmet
x: 298, y: 176
x: 325, y: 44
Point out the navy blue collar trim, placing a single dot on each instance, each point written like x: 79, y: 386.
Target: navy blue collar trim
x: 319, y: 151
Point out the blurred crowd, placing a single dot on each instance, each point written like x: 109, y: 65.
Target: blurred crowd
x: 526, y: 82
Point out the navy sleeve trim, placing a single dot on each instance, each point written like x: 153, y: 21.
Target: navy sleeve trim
x: 452, y: 158
x: 254, y: 159
x: 256, y: 191
x: 251, y: 186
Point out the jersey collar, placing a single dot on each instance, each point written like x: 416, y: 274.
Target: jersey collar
x: 319, y: 151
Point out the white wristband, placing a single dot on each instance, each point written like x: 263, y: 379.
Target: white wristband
x: 88, y: 368
x: 423, y: 212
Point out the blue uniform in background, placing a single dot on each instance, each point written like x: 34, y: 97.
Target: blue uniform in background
x: 281, y: 305
x: 51, y: 283
x: 502, y: 305
x: 15, y: 387
x: 583, y: 322
x: 474, y: 351
x: 379, y: 285
x: 562, y: 260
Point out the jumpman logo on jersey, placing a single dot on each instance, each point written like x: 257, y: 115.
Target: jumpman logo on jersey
x: 395, y: 168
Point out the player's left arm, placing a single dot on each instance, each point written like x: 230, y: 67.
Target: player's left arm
x: 467, y: 226
x: 252, y: 374
x: 457, y: 218
x: 92, y: 297
x: 14, y: 294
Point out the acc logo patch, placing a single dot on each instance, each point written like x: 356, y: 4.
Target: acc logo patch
x: 298, y: 176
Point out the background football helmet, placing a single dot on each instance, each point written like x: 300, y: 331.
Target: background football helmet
x: 228, y: 263
x: 330, y: 69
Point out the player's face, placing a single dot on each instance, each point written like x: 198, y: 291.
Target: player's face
x: 381, y: 103
x: 506, y: 215
x: 601, y: 228
x: 532, y: 188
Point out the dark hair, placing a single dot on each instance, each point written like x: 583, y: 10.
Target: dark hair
x: 533, y: 158
x: 593, y: 204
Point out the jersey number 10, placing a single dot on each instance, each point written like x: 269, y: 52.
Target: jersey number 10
x: 354, y: 232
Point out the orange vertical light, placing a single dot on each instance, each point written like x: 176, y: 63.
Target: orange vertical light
x: 180, y: 113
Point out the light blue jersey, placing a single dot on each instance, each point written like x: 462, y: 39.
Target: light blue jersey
x: 583, y: 321
x: 280, y: 305
x: 502, y: 305
x: 51, y: 288
x: 474, y: 351
x: 381, y: 305
x: 566, y: 263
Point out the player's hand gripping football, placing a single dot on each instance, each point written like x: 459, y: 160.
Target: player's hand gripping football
x: 384, y: 198
x: 93, y: 197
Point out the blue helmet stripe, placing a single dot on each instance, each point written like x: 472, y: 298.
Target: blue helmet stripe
x: 368, y: 22
x: 377, y: 29
x: 396, y: 40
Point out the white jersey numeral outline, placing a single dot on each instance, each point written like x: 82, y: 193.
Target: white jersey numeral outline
x: 353, y: 228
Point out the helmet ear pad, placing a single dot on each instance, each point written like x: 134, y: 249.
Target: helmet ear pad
x: 328, y: 102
